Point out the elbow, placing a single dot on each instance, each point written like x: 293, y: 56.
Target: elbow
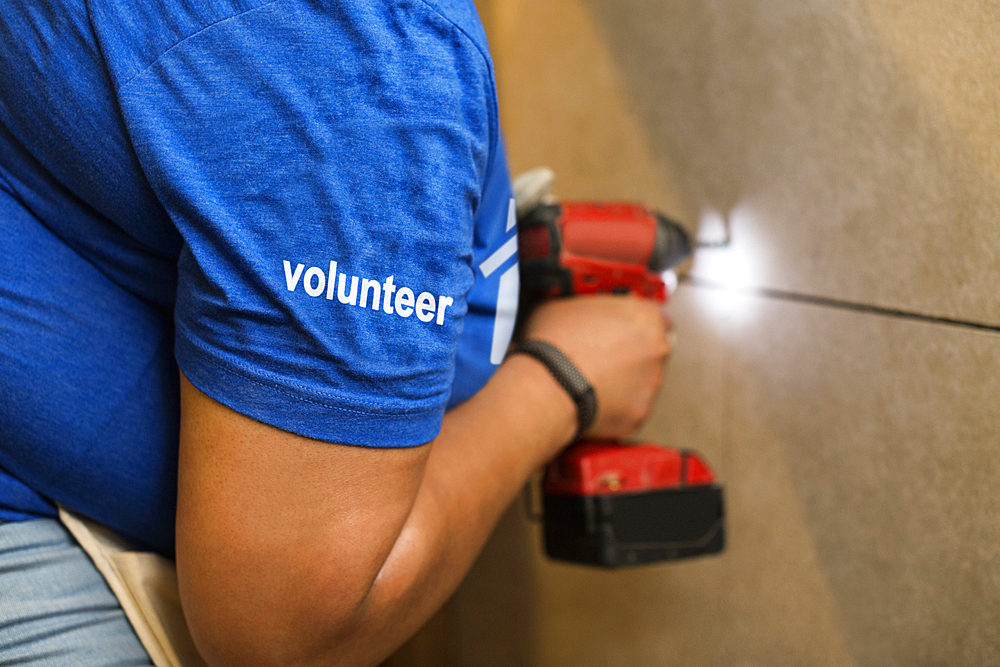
x: 263, y: 614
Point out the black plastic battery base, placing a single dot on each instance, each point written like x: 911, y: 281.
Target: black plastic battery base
x: 615, y: 530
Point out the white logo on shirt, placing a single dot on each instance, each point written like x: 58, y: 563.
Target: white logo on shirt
x: 510, y: 285
x: 315, y: 281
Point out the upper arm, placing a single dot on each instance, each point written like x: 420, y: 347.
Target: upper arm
x: 324, y: 164
x: 276, y: 531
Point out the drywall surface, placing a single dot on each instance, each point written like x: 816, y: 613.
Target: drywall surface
x: 856, y: 143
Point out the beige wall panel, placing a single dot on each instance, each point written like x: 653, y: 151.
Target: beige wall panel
x: 495, y: 612
x: 889, y: 428
x: 949, y: 51
x: 859, y: 140
x: 562, y: 105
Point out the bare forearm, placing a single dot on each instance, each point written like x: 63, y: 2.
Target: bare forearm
x: 487, y: 449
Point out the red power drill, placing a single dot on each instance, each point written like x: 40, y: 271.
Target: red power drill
x: 609, y: 503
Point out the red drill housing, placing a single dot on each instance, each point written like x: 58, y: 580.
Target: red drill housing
x: 608, y: 503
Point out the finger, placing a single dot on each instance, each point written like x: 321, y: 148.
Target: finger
x: 668, y: 321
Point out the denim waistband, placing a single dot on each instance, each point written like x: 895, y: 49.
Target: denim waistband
x: 55, y: 607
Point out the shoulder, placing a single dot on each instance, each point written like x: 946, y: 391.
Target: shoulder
x: 137, y: 38
x: 463, y: 16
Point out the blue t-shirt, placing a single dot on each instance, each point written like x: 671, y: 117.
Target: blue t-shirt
x: 303, y: 205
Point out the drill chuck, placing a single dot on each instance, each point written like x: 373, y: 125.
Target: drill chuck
x: 671, y: 246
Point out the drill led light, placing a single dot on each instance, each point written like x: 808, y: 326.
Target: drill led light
x: 728, y: 261
x: 670, y: 279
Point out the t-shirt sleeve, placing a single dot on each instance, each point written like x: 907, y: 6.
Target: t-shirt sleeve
x: 324, y: 165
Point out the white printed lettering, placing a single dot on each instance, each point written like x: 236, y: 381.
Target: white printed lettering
x: 404, y: 302
x: 290, y: 279
x: 353, y: 298
x: 314, y: 272
x: 387, y: 289
x: 443, y: 302
x: 393, y: 299
x: 425, y: 307
x: 376, y: 289
x: 329, y: 280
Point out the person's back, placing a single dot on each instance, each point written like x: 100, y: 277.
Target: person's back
x: 87, y: 288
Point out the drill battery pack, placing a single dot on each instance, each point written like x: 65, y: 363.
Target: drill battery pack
x: 612, y: 504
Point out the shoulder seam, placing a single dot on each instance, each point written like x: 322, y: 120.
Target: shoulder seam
x: 462, y: 30
x: 203, y: 28
x: 494, y: 110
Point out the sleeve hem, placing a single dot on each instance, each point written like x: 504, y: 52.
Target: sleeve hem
x: 272, y: 404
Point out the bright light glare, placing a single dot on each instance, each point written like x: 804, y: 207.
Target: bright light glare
x: 730, y: 267
x: 712, y: 228
x: 725, y: 266
x: 669, y: 278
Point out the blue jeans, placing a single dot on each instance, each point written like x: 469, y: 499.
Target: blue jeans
x: 55, y: 608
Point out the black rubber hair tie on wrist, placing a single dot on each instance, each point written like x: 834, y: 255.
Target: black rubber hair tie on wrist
x: 569, y: 378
